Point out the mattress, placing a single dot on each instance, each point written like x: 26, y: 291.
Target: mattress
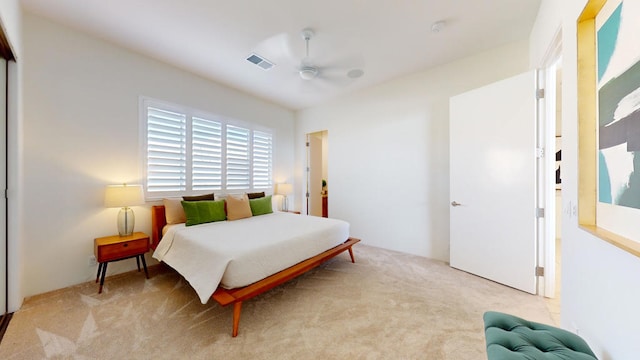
x: 238, y: 253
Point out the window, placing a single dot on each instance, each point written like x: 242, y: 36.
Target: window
x: 185, y: 152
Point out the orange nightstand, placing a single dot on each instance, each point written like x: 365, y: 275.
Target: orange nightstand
x: 115, y: 248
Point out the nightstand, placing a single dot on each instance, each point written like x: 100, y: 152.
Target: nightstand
x: 293, y: 212
x: 115, y: 248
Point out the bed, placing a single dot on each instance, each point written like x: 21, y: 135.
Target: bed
x: 231, y: 272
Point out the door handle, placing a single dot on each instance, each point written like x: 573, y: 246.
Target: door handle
x: 454, y: 203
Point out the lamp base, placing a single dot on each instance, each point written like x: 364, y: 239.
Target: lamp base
x: 126, y: 221
x: 285, y: 204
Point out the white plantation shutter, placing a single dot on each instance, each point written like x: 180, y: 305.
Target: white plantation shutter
x: 166, y: 151
x: 238, y: 162
x: 206, y: 150
x: 262, y: 155
x: 188, y: 154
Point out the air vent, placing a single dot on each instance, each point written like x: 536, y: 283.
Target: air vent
x: 263, y: 63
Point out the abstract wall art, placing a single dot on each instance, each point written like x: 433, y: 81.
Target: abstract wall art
x: 618, y: 94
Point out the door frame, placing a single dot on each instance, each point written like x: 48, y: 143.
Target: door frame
x: 322, y: 135
x: 9, y: 113
x: 547, y: 109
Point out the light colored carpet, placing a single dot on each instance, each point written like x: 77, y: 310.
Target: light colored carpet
x: 387, y: 305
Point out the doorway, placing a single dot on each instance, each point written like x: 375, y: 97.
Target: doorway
x: 317, y: 174
x: 552, y: 113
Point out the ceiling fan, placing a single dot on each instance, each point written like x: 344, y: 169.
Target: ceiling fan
x: 309, y: 71
x: 333, y: 68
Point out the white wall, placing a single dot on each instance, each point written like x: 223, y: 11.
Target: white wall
x: 81, y: 133
x: 389, y: 152
x: 600, y: 282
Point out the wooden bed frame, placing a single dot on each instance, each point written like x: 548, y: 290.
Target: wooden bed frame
x: 236, y: 296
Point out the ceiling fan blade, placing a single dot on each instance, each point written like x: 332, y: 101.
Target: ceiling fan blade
x: 336, y: 79
x: 277, y: 49
x: 344, y: 62
x: 342, y: 71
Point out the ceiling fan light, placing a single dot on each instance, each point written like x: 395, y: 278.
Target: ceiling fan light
x: 308, y: 72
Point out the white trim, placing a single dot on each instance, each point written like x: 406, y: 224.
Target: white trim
x: 547, y: 248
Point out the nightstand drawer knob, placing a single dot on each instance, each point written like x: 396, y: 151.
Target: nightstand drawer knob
x: 125, y: 245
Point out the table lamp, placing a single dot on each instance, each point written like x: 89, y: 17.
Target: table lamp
x: 123, y: 196
x: 284, y: 189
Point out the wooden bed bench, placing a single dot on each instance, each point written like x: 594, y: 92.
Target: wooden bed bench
x: 236, y: 296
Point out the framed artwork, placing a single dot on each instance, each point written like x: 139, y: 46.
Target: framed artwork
x: 618, y: 92
x: 609, y: 122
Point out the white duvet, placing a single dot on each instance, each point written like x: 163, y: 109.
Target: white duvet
x: 238, y: 253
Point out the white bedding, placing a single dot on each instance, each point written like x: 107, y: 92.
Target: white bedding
x: 238, y: 253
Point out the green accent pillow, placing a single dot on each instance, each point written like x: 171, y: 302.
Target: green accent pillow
x: 200, y: 212
x: 261, y: 206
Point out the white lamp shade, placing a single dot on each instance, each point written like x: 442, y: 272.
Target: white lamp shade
x: 123, y: 195
x: 284, y: 189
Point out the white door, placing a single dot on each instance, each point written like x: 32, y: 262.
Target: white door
x: 493, y: 182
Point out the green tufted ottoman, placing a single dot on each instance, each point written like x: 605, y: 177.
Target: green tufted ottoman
x: 511, y: 338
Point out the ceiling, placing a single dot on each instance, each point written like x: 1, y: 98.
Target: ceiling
x: 383, y: 38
